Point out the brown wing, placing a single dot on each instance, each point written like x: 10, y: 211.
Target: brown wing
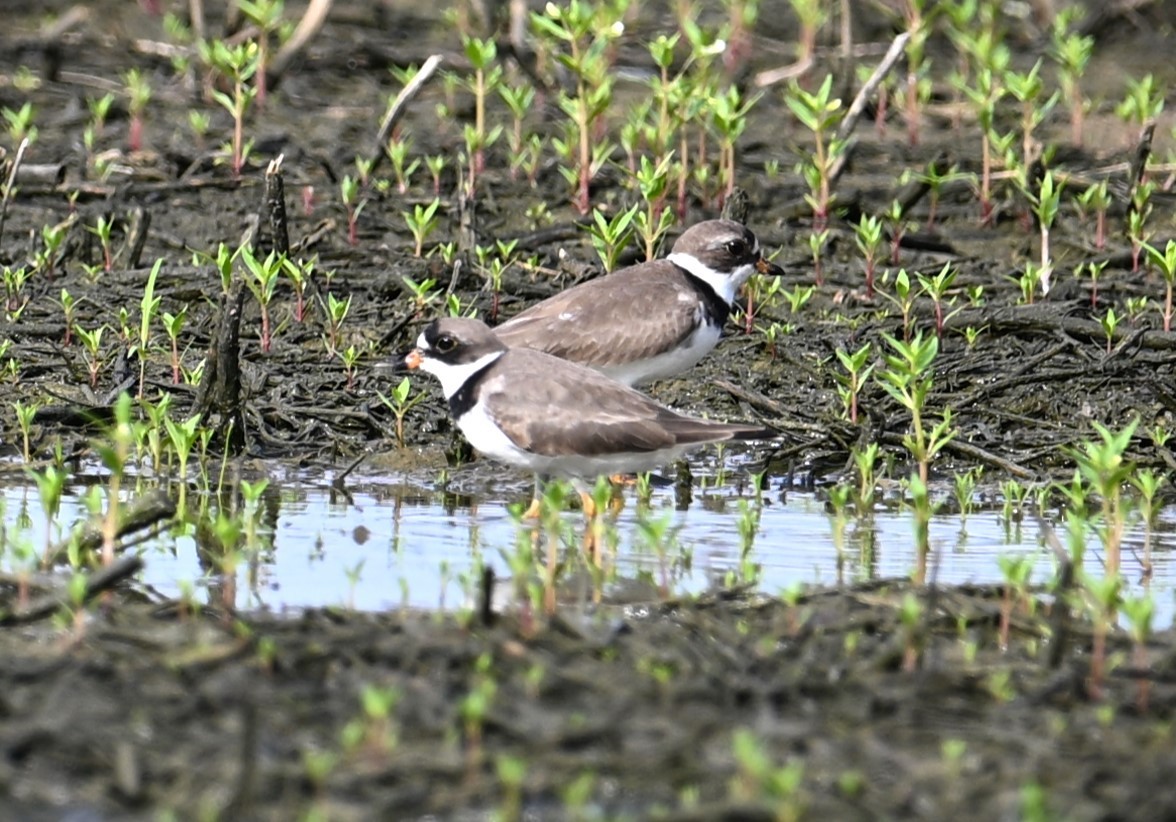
x: 557, y: 408
x: 631, y: 315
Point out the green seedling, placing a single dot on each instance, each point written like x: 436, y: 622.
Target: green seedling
x: 422, y: 222
x: 138, y: 91
x: 908, y: 379
x: 1148, y: 484
x: 904, y: 297
x: 1094, y: 270
x: 773, y: 332
x: 238, y: 64
x: 936, y: 179
x: 155, y: 430
x: 1096, y: 199
x: 436, y: 163
x: 147, y: 308
x: 183, y: 436
x: 262, y: 281
x: 910, y: 617
x: 1071, y: 50
x: 759, y: 293
x: 20, y: 123
x: 68, y: 308
x: 199, y: 122
x: 798, y: 297
x: 821, y: 113
x: 25, y: 415
x: 266, y: 16
x: 587, y: 32
x: 1045, y: 206
x: 15, y: 299
x: 92, y: 345
x: 918, y: 81
x: 1140, y: 611
x: 984, y: 94
x: 1109, y: 323
x: 610, y: 238
x: 114, y: 452
x: 337, y: 311
x: 652, y: 222
x: 855, y: 378
x: 817, y: 241
x: 758, y: 779
x: 868, y: 236
x: 936, y: 288
x: 300, y: 273
x: 1107, y: 595
x: 1137, y: 215
x: 349, y: 190
x: 402, y: 169
x: 1165, y: 261
x: 512, y: 771
x: 520, y: 100
x: 350, y: 357
x: 811, y: 15
x: 400, y: 404
x: 101, y: 229
x: 52, y: 240
x: 866, y: 462
x: 1103, y: 464
x: 474, y: 708
x: 1144, y: 101
x: 1027, y: 89
x: 1028, y: 282
x: 487, y: 78
x: 1016, y: 570
x: 173, y: 324
x: 728, y: 112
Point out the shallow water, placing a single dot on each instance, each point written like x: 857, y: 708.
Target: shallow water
x: 392, y: 542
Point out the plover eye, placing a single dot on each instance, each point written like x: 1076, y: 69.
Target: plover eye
x: 736, y: 248
x: 445, y: 343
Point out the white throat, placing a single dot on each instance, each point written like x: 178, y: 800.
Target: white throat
x: 725, y: 285
x: 454, y: 375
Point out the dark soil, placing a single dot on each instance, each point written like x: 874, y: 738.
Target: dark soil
x: 151, y: 709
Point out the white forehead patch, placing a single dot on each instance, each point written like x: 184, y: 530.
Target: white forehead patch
x: 421, y: 342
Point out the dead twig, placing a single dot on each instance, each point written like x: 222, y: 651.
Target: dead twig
x: 854, y: 113
x: 101, y: 580
x: 308, y: 27
x: 396, y: 110
x: 8, y: 187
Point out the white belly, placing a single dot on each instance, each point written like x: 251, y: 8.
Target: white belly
x: 668, y: 364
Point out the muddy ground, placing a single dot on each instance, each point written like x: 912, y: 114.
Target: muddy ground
x: 617, y: 713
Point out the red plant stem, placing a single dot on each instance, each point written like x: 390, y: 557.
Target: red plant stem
x: 265, y: 329
x: 985, y: 181
x: 135, y: 135
x: 1168, y: 307
x: 1100, y: 230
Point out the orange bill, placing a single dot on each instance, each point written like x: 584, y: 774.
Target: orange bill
x: 414, y: 359
x: 765, y: 266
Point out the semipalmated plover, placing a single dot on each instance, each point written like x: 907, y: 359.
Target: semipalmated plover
x: 652, y: 320
x: 549, y: 416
